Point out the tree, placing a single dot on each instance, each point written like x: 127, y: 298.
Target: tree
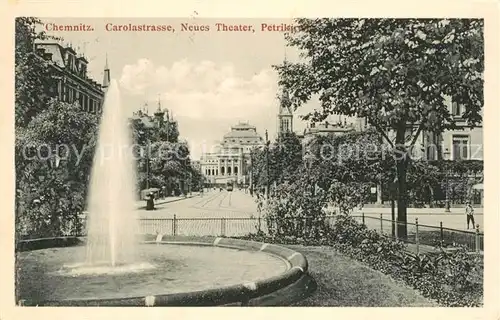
x: 393, y: 72
x: 54, y: 155
x: 284, y: 158
x: 169, y: 132
x: 33, y: 75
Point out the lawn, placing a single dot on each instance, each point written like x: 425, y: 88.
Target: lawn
x: 343, y: 282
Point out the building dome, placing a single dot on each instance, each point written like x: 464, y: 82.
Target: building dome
x: 243, y: 133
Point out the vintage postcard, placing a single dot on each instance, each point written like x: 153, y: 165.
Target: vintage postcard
x: 241, y: 161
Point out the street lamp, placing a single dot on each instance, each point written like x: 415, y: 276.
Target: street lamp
x: 447, y: 190
x: 267, y: 166
x: 308, y: 162
x: 190, y: 186
x: 251, y: 172
x: 393, y: 189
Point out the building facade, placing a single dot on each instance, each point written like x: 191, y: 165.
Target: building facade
x: 71, y: 82
x: 230, y: 160
x: 462, y: 143
x: 161, y: 118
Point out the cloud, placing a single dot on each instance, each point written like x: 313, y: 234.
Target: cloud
x: 203, y: 90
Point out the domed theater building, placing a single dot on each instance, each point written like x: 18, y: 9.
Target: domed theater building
x: 230, y: 160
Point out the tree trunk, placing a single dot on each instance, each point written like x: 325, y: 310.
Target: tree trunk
x: 401, y: 167
x: 379, y: 193
x: 402, y: 160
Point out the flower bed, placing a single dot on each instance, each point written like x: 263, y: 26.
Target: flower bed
x: 452, y: 278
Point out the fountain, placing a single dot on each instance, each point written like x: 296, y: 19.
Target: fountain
x: 116, y: 269
x: 112, y: 218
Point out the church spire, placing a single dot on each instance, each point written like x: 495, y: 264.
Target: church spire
x: 285, y: 113
x: 159, y: 103
x: 107, y: 78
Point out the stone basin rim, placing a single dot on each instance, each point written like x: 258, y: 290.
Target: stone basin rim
x: 239, y: 294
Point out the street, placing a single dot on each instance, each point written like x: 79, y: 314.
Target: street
x: 213, y: 204
x: 202, y: 215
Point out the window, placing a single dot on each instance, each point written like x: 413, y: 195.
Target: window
x: 86, y: 103
x: 65, y: 93
x: 457, y: 110
x: 93, y: 107
x: 80, y: 100
x: 461, y: 147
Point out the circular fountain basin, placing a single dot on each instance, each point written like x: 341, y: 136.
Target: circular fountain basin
x: 215, y: 271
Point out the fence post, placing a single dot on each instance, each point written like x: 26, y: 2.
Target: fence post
x: 396, y: 224
x: 259, y: 222
x: 222, y: 227
x: 441, y: 232
x: 174, y: 226
x: 381, y: 224
x: 417, y: 242
x: 478, y: 247
x: 363, y: 217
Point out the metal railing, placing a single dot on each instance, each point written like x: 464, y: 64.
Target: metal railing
x: 228, y: 227
x: 426, y: 235
x: 418, y: 235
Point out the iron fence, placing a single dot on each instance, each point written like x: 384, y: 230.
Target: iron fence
x: 418, y: 235
x: 228, y: 227
x: 427, y: 235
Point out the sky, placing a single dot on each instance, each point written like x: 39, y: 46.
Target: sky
x: 209, y: 80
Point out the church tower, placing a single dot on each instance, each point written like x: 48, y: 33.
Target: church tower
x: 285, y: 114
x: 159, y: 115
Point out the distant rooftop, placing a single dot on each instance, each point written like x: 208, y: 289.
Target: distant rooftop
x: 240, y: 131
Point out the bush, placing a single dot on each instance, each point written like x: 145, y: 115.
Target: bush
x: 451, y: 277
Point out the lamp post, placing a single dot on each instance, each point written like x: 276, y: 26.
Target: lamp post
x: 447, y: 190
x: 251, y: 172
x: 202, y: 185
x: 393, y: 188
x: 190, y: 186
x: 268, y: 180
x: 308, y: 165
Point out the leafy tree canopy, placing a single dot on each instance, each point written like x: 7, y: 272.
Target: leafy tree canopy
x: 393, y: 72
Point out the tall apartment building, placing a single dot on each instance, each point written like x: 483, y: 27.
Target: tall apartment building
x: 71, y: 81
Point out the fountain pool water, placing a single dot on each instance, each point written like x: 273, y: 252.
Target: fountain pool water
x: 112, y: 218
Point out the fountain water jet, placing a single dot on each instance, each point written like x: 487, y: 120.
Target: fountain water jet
x: 112, y: 219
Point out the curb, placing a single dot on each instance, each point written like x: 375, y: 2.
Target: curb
x: 244, y: 294
x: 444, y: 214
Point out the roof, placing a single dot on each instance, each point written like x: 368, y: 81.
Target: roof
x: 324, y: 127
x: 243, y: 126
x: 242, y: 134
x: 243, y: 131
x: 148, y: 123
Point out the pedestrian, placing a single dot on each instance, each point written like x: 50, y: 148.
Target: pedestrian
x: 469, y: 211
x: 150, y: 203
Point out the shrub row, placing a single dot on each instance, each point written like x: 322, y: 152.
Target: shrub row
x: 452, y: 278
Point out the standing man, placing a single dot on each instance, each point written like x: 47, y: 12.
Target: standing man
x: 469, y: 211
